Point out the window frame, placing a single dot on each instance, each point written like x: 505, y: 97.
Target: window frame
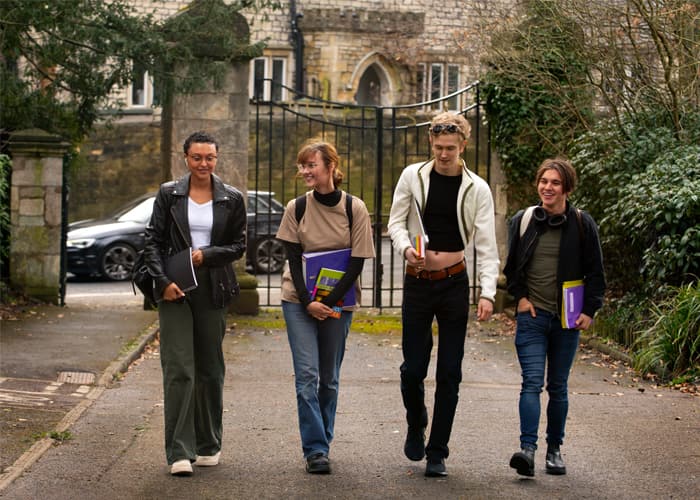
x: 148, y: 91
x: 426, y: 90
x: 269, y: 72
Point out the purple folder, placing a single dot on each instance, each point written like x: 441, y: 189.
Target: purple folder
x: 571, y: 303
x: 312, y: 262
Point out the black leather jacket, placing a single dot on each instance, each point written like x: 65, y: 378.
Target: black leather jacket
x: 168, y: 233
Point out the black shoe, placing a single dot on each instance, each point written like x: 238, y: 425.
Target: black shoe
x: 523, y: 462
x: 436, y: 468
x: 555, y: 464
x: 415, y: 443
x: 318, y: 464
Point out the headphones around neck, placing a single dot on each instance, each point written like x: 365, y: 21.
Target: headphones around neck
x: 542, y: 217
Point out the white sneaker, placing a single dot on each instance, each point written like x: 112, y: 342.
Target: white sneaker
x: 181, y: 468
x: 208, y: 460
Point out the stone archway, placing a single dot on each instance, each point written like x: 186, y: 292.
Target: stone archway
x: 374, y: 81
x: 369, y: 90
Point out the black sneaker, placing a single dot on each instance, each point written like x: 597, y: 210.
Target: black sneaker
x: 436, y: 468
x: 554, y: 464
x: 414, y: 448
x: 523, y: 462
x: 318, y: 464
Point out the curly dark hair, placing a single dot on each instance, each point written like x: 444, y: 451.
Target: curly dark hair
x: 200, y: 137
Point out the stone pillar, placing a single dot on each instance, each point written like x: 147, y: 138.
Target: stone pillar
x: 222, y: 111
x: 500, y: 199
x: 35, y: 213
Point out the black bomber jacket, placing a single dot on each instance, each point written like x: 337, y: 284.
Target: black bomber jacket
x: 578, y: 260
x: 168, y: 233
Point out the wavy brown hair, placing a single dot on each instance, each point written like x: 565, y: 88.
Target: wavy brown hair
x: 328, y: 153
x: 566, y: 172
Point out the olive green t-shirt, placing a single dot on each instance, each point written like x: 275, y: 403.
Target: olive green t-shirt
x: 542, y: 272
x: 326, y: 228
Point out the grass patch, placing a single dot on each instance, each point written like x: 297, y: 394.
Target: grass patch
x: 57, y: 436
x: 670, y: 347
x: 130, y: 346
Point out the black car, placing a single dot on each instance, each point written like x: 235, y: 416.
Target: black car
x: 108, y: 247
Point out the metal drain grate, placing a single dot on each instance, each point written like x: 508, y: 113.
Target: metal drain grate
x: 85, y: 378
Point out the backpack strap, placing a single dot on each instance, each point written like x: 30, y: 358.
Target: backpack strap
x: 525, y: 219
x: 300, y: 208
x: 348, y: 209
x: 527, y: 215
x: 580, y: 227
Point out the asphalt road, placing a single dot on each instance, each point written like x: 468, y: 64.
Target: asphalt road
x: 626, y: 439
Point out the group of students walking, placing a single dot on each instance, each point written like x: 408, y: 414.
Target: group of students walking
x: 450, y: 207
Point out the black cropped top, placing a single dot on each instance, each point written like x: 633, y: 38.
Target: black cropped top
x: 440, y: 214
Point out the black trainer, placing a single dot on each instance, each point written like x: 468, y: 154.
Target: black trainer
x: 523, y: 461
x: 415, y: 443
x: 435, y: 468
x: 554, y: 464
x: 318, y: 463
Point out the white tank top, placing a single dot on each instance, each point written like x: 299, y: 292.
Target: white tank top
x: 201, y: 219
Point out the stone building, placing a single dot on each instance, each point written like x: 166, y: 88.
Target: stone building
x: 383, y: 52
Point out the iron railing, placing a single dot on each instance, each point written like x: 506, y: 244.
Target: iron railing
x: 375, y: 143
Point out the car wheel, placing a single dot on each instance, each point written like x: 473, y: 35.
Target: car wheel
x: 269, y: 255
x: 118, y: 262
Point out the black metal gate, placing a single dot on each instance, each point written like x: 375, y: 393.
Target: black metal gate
x: 375, y: 143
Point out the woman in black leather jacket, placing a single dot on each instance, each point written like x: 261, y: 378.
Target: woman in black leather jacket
x: 200, y: 212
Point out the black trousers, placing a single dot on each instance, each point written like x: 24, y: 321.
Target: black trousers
x: 447, y: 301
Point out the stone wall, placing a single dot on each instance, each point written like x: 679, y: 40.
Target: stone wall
x: 116, y: 164
x: 340, y: 35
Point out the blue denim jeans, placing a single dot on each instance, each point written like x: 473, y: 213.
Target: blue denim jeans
x: 542, y: 341
x: 317, y: 352
x: 447, y: 301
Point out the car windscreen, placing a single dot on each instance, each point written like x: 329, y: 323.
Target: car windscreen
x: 140, y: 213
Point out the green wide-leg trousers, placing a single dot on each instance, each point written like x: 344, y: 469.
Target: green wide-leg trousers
x: 191, y: 356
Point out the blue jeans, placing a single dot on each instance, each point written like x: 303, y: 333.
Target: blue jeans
x: 317, y: 352
x: 541, y: 340
x: 447, y: 301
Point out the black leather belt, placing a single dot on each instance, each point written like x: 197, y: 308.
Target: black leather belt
x: 440, y: 274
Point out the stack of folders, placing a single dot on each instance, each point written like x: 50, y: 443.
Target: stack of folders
x: 571, y: 303
x: 334, y: 263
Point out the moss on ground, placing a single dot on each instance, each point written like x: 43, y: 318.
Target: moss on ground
x: 364, y: 321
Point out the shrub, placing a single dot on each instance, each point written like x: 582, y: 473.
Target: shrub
x: 621, y: 319
x: 652, y: 231
x: 671, y: 345
x: 606, y: 161
x: 641, y: 188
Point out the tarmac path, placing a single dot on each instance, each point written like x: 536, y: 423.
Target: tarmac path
x: 626, y: 439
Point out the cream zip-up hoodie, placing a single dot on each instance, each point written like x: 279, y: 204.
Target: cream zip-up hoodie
x: 475, y: 213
